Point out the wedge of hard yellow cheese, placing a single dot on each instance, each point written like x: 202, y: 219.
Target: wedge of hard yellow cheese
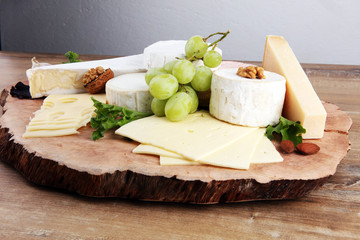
x: 301, y: 101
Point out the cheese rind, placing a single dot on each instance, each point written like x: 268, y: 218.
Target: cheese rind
x: 186, y: 137
x: 244, y: 101
x: 162, y: 52
x: 66, y: 78
x: 301, y: 101
x: 129, y: 90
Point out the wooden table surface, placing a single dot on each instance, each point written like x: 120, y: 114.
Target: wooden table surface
x: 28, y: 211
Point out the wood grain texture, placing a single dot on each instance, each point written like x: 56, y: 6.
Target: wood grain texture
x: 331, y: 212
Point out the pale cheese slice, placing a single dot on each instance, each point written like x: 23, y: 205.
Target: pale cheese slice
x: 237, y: 155
x: 266, y: 152
x: 196, y: 137
x: 150, y: 149
x: 62, y: 115
x: 172, y: 161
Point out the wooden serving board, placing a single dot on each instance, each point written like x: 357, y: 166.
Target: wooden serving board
x: 108, y: 168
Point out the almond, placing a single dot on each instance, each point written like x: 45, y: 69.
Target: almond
x: 287, y: 146
x: 307, y: 148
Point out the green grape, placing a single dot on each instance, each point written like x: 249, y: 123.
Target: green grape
x: 212, y: 59
x: 152, y: 72
x: 158, y: 107
x: 178, y: 107
x: 163, y: 86
x: 169, y: 66
x: 195, y: 45
x: 202, y: 79
x: 194, y: 98
x: 184, y: 71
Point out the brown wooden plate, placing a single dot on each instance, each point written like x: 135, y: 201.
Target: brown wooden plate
x: 108, y: 168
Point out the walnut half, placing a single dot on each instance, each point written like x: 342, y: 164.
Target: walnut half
x: 95, y: 79
x: 251, y: 72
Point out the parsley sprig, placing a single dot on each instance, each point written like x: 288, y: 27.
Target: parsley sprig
x: 72, y: 57
x: 289, y: 130
x: 110, y: 116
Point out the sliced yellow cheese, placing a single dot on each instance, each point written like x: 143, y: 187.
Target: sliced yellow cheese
x: 237, y: 155
x: 301, y: 101
x: 62, y: 115
x: 172, y: 161
x: 266, y: 152
x: 150, y: 149
x: 196, y: 137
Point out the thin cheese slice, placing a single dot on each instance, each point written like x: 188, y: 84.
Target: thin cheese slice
x: 62, y: 115
x: 237, y: 155
x: 150, y: 149
x: 301, y: 102
x: 172, y: 161
x: 194, y: 138
x: 266, y: 152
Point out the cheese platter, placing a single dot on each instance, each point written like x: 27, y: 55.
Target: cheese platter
x: 180, y: 154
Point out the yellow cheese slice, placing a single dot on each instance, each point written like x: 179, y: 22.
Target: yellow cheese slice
x: 194, y: 138
x: 62, y: 115
x: 301, y: 102
x: 150, y: 149
x: 237, y: 155
x: 266, y: 152
x: 172, y: 161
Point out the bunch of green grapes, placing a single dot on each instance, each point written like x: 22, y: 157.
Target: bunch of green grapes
x: 174, y: 86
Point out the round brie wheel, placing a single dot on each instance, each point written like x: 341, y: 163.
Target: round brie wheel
x: 162, y: 52
x: 130, y: 91
x: 247, y: 102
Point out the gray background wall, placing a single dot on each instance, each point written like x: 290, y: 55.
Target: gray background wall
x: 319, y: 31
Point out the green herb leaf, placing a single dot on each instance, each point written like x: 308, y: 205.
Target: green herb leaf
x: 110, y: 116
x: 72, y: 56
x: 289, y: 130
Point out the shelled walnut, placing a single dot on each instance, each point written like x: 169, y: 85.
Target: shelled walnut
x: 95, y: 79
x: 251, y: 72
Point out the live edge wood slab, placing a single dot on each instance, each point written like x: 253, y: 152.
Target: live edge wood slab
x: 108, y: 168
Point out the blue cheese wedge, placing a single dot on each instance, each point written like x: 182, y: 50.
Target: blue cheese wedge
x: 245, y: 101
x: 66, y: 78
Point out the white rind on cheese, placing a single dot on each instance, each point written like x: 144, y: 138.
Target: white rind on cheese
x: 162, y: 52
x: 244, y: 101
x: 130, y: 91
x: 66, y: 78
